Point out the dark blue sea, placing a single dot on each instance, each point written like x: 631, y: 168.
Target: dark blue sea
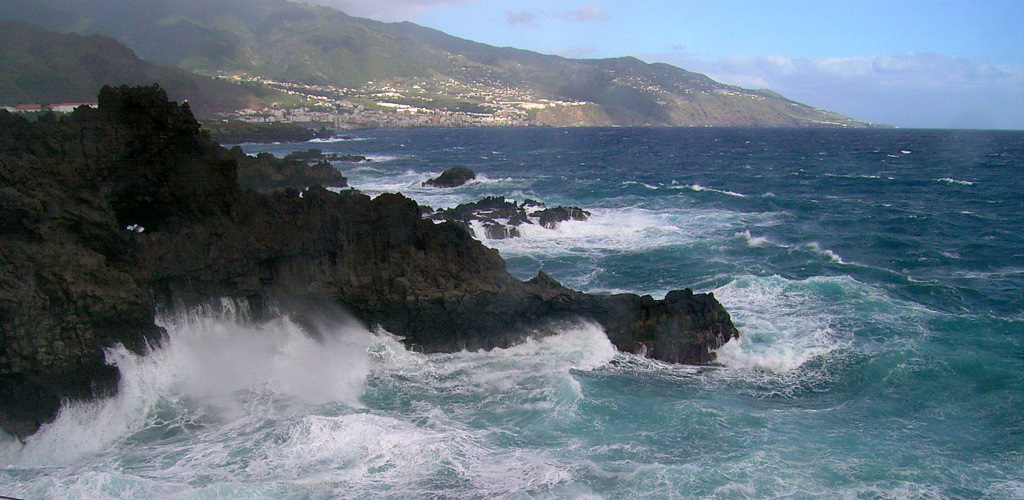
x: 877, y: 277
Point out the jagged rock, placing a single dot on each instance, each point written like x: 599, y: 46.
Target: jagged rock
x: 498, y: 231
x: 453, y: 177
x: 349, y: 158
x: 108, y: 212
x: 309, y: 155
x: 487, y: 209
x: 68, y: 284
x: 314, y: 155
x: 265, y: 172
x: 492, y: 210
x: 550, y: 217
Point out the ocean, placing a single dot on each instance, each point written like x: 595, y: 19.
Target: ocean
x: 876, y: 276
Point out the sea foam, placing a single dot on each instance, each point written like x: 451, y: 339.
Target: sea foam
x: 782, y: 325
x: 202, y: 373
x: 754, y: 241
x: 815, y: 247
x: 619, y: 230
x: 699, y: 188
x: 949, y: 180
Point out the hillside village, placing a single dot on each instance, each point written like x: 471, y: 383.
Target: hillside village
x: 285, y: 62
x: 441, y: 103
x: 389, y: 105
x: 446, y: 104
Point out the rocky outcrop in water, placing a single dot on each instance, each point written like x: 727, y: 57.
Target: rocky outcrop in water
x: 265, y: 172
x: 111, y: 212
x: 313, y: 155
x: 453, y: 177
x: 501, y: 217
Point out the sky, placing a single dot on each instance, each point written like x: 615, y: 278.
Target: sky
x: 909, y: 63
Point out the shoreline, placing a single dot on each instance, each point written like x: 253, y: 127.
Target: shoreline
x: 154, y: 216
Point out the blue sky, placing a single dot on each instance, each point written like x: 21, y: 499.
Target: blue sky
x: 910, y: 63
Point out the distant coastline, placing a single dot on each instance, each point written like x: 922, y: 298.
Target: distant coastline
x: 414, y: 77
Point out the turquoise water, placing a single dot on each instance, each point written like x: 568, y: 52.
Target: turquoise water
x: 877, y: 278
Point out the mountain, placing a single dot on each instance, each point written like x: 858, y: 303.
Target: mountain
x: 42, y: 66
x: 403, y: 64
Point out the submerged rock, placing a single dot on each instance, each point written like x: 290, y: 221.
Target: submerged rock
x: 77, y: 280
x: 453, y: 177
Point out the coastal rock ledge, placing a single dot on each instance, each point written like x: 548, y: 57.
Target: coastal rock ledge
x: 109, y: 214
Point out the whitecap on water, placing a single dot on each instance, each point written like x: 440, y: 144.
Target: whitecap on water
x: 582, y: 346
x: 436, y: 420
x: 644, y: 184
x: 382, y: 158
x: 795, y: 334
x: 332, y: 140
x: 624, y: 230
x: 815, y: 247
x: 353, y: 447
x: 948, y: 180
x: 217, y: 358
x: 754, y: 241
x: 697, y: 188
x: 780, y: 324
x: 207, y: 370
x: 529, y: 382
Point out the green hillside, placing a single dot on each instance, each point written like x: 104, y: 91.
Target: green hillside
x: 314, y: 45
x: 41, y: 66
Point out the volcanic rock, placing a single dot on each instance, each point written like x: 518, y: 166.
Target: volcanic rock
x: 497, y: 213
x: 314, y: 155
x: 265, y: 172
x: 453, y: 177
x: 550, y: 217
x: 109, y: 214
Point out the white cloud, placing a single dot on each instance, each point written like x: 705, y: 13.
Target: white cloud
x: 585, y: 14
x: 910, y: 90
x: 388, y: 10
x: 844, y: 67
x: 522, y: 18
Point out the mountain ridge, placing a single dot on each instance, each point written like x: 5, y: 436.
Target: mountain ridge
x: 313, y: 46
x: 42, y: 66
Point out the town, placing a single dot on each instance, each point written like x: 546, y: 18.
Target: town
x: 411, y: 104
x: 446, y: 103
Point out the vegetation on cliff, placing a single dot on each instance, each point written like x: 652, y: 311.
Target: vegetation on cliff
x: 318, y: 46
x: 43, y: 67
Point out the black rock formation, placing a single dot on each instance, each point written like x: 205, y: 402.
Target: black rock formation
x: 550, y: 217
x: 265, y: 172
x: 501, y: 217
x: 109, y: 213
x: 453, y: 177
x: 314, y: 155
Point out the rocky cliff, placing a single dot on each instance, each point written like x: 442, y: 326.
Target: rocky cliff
x: 110, y: 213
